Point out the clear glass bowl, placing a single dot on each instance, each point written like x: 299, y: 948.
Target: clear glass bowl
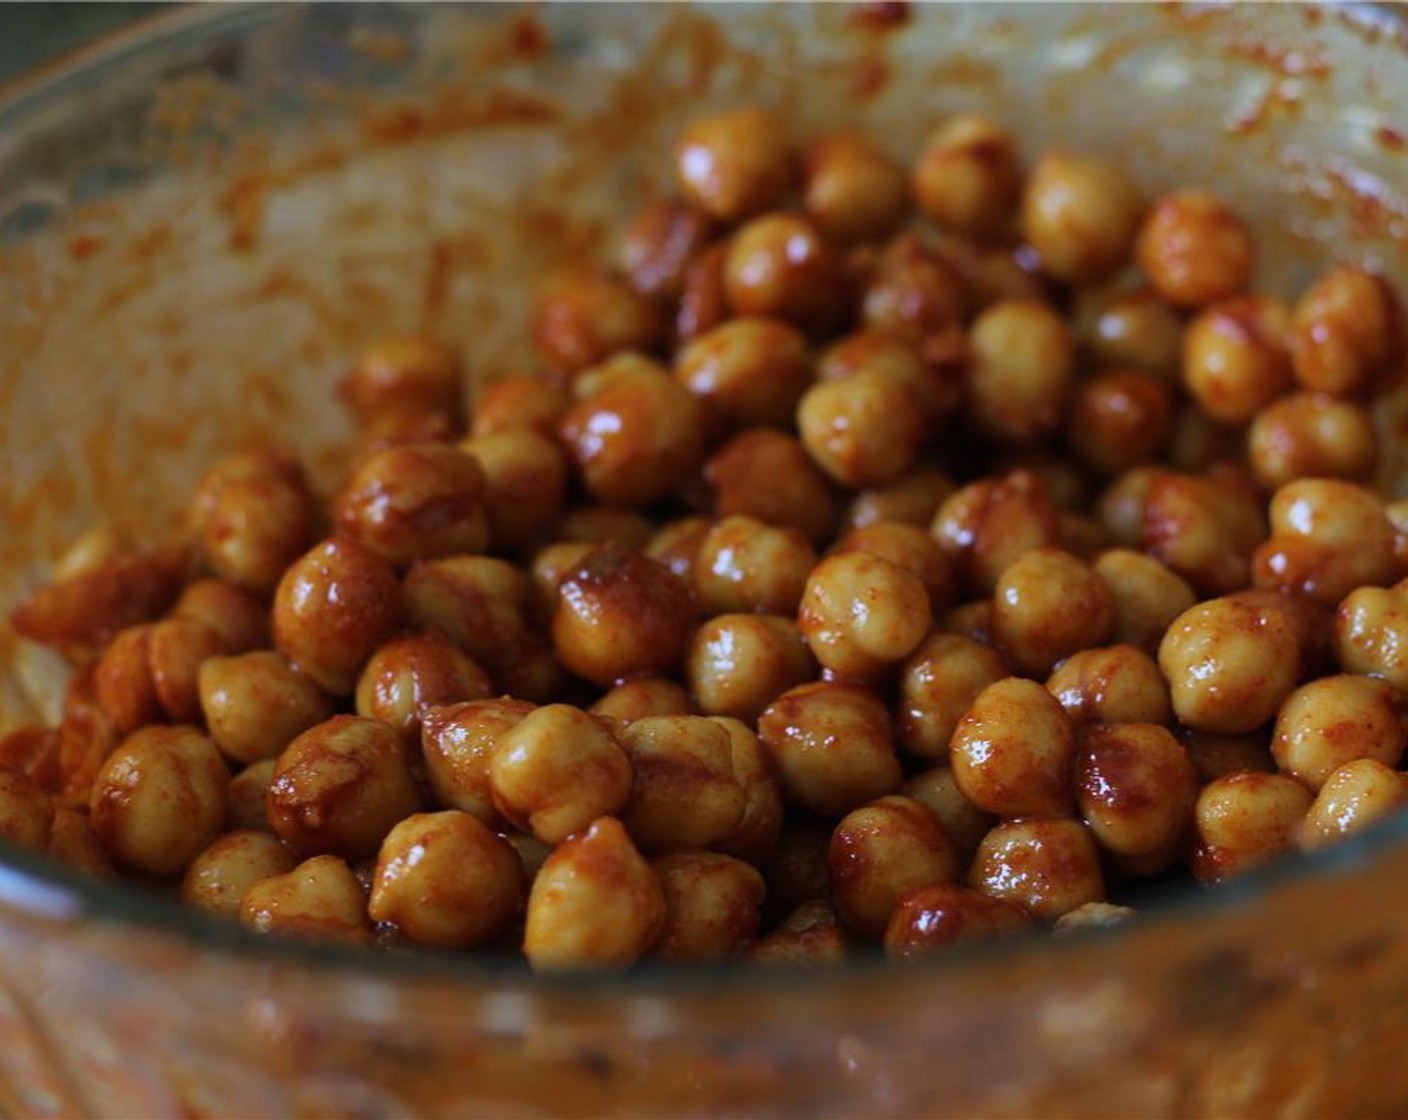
x: 201, y: 220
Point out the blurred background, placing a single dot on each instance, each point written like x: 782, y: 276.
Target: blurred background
x: 30, y: 33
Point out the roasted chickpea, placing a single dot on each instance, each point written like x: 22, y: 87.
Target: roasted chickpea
x: 711, y: 906
x: 1194, y: 250
x: 779, y: 266
x: 860, y: 614
x: 1311, y: 435
x: 406, y: 374
x: 1335, y: 720
x: 583, y: 318
x: 255, y: 704
x: 400, y: 429
x: 738, y: 664
x: 1245, y: 819
x: 704, y: 301
x: 475, y: 601
x: 1235, y: 360
x: 832, y: 746
x: 863, y: 431
x: 963, y: 822
x: 1119, y: 420
x: 895, y: 356
x: 249, y: 796
x: 320, y: 899
x: 967, y: 179
x: 1215, y: 756
x: 411, y: 672
x: 1346, y: 330
x: 809, y: 937
x: 911, y: 548
x: 745, y: 565
x: 123, y: 681
x: 1115, y: 684
x: 550, y: 567
x: 1013, y: 750
x: 938, y: 683
x: 525, y: 484
x: 658, y: 245
x: 519, y: 401
x: 1047, y: 605
x: 1049, y: 866
x: 749, y: 371
x: 626, y: 528
x: 934, y: 916
x: 595, y: 903
x: 458, y: 742
x: 912, y: 500
x: 675, y: 544
x: 238, y: 618
x: 913, y: 293
x: 340, y: 787
x: 1020, y: 370
x: 1135, y: 787
x: 733, y: 164
x: 768, y: 475
x: 1327, y: 539
x: 1080, y: 214
x: 797, y: 869
x: 26, y: 811
x: 159, y: 799
x: 1203, y: 528
x: 684, y: 793
x: 1371, y: 635
x: 253, y: 515
x: 1355, y: 796
x: 1147, y: 596
x: 755, y: 837
x: 1135, y: 330
x: 217, y: 878
x: 73, y: 843
x: 642, y: 697
x: 988, y: 524
x: 969, y: 620
x: 446, y: 881
x: 851, y: 189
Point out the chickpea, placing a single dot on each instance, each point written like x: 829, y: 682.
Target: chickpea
x: 832, y: 746
x: 938, y: 683
x: 237, y: 618
x: 549, y: 568
x: 738, y: 664
x: 704, y: 302
x: 934, y: 916
x: 253, y: 516
x: 123, y: 681
x: 852, y: 190
x: 809, y: 937
x: 911, y: 548
x: 734, y: 164
x: 913, y: 500
x: 1116, y: 684
x: 745, y: 565
x: 1047, y: 605
x: 1235, y: 359
x: 749, y: 371
x: 534, y: 674
x: 1355, y: 796
x: 755, y: 836
x: 583, y: 318
x: 217, y: 878
x: 1346, y: 330
x: 34, y: 751
x: 1080, y: 214
x: 73, y: 844
x: 1135, y: 788
x: 988, y: 524
x: 1336, y: 720
x: 969, y: 620
x: 685, y: 793
x: 1093, y: 915
x: 26, y: 811
x: 1218, y: 755
x: 626, y: 528
x: 320, y: 899
x: 711, y: 906
x: 658, y: 244
x: 797, y: 870
x: 779, y: 266
x: 1202, y: 529
x: 1119, y: 420
x: 1136, y: 331
x: 411, y: 672
x: 1067, y: 484
x: 967, y: 179
x: 1121, y: 506
x: 963, y: 822
x: 400, y: 429
x: 458, y: 742
x: 525, y: 484
x: 768, y: 475
x: 860, y: 614
x: 676, y: 545
x: 405, y: 374
x: 159, y: 799
x: 1049, y: 866
x: 1194, y: 250
x: 1020, y: 372
x: 475, y: 601
x: 1371, y: 635
x: 643, y: 697
x: 1397, y: 514
x: 1013, y: 750
x: 255, y: 704
x: 446, y: 881
x: 249, y: 795
x: 519, y: 401
x: 1311, y: 435
x: 1147, y: 596
x: 595, y: 903
x: 863, y: 431
x: 340, y: 787
x: 914, y: 293
x: 1309, y: 622
x: 1244, y: 820
x: 1327, y: 539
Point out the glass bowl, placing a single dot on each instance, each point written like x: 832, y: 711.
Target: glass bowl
x: 202, y: 219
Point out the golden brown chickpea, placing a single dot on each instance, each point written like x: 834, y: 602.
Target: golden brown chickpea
x: 860, y: 614
x: 643, y: 697
x: 320, y: 900
x: 550, y: 567
x: 1355, y: 796
x: 1235, y: 360
x: 399, y: 429
x: 967, y: 179
x: 851, y: 189
x: 768, y: 475
x: 963, y: 822
x: 779, y: 266
x: 1020, y: 371
x: 1347, y: 329
x: 1115, y: 684
x: 1013, y: 750
x: 1397, y: 514
x: 525, y: 484
x: 734, y: 164
x: 863, y: 431
x: 255, y: 704
x: 738, y: 664
x: 1083, y: 537
x: 1118, y: 420
x: 1309, y: 622
x: 177, y: 648
x: 658, y: 244
x: 988, y: 524
x: 249, y: 796
x: 458, y: 741
x: 1216, y: 756
x: 832, y: 746
x: 1135, y: 330
x: 711, y: 906
x: 582, y: 318
x: 1121, y: 506
x: 938, y: 683
x: 704, y: 302
x: 217, y: 878
x: 238, y: 618
x: 1327, y: 539
x: 808, y: 938
x: 404, y: 375
x: 1335, y: 720
x: 596, y: 903
x: 626, y: 528
x: 475, y: 601
x: 26, y: 811
x: 446, y: 881
x: 675, y: 544
x: 912, y: 500
x: 1146, y: 595
x: 1080, y: 214
x: 969, y: 620
x: 1371, y: 634
x: 339, y: 787
x: 684, y: 793
x: 935, y: 916
x: 994, y: 272
x: 1202, y: 528
x: 410, y: 673
x: 519, y: 401
x: 1244, y: 820
x: 1049, y: 866
x: 914, y: 293
x: 556, y: 770
x: 72, y: 843
x: 1067, y: 484
x: 1194, y: 250
x: 892, y: 355
x: 1135, y: 787
x: 620, y: 615
x: 745, y: 565
x: 253, y: 515
x: 1311, y: 435
x: 749, y: 371
x: 1047, y: 605
x: 123, y: 681
x: 159, y: 799
x: 878, y: 852
x: 755, y: 837
x: 911, y: 548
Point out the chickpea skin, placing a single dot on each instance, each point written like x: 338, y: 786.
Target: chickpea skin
x: 1244, y: 820
x: 1336, y: 720
x: 1119, y: 419
x: 658, y: 245
x: 1327, y: 539
x: 525, y: 484
x: 1048, y: 605
x: 1355, y: 796
x: 768, y: 475
x: 913, y: 293
x: 1194, y: 250
x: 641, y: 698
x: 1235, y: 359
x: 914, y: 499
x: 1311, y: 435
x: 1114, y: 684
x: 1203, y: 528
x: 253, y: 515
x: 403, y: 375
x: 1080, y: 214
x: 860, y: 614
x: 475, y: 601
x: 911, y: 548
x: 938, y: 683
x: 411, y: 672
x: 519, y: 401
x: 458, y: 743
x: 733, y: 164
x: 755, y: 837
x: 967, y: 179
x: 851, y: 189
x: 935, y: 916
x: 712, y: 906
x: 73, y: 844
x: 1371, y: 634
x: 1021, y: 367
x: 745, y: 565
x: 1135, y: 330
x: 738, y: 664
x: 217, y: 878
x: 684, y: 793
x: 748, y: 371
x: 257, y: 703
x: 1013, y: 750
x: 863, y: 431
x: 239, y: 618
x: 318, y: 900
x: 988, y: 524
x: 780, y: 267
x: 583, y: 318
x: 1049, y: 866
x: 1346, y: 330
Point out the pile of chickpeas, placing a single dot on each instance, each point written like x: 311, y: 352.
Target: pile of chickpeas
x: 879, y: 557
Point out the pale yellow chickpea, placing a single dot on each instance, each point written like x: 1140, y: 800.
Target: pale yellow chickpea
x: 582, y: 318
x: 334, y: 606
x: 809, y: 937
x: 878, y: 852
x: 964, y: 823
x: 1194, y: 250
x: 1203, y: 528
x: 620, y: 615
x: 738, y: 664
x: 1135, y: 788
x: 911, y: 548
x: 1347, y: 329
x: 1020, y: 370
x: 73, y: 843
x: 159, y: 799
x: 1013, y: 750
x: 1147, y: 596
x: 1119, y: 419
x: 935, y: 383
x: 26, y: 811
x: 1080, y: 214
x: 1355, y: 796
x: 1218, y: 755
x: 988, y: 524
x: 746, y: 565
x: 1112, y: 684
x: 861, y: 614
x: 748, y: 371
x: 446, y: 881
x: 249, y: 795
x: 475, y: 601
x: 1311, y: 435
x: 851, y: 189
x: 832, y: 745
x: 521, y: 400
x: 658, y: 244
x: 525, y: 484
x: 636, y: 437
x: 1235, y: 357
x: 684, y: 793
x: 913, y: 293
x: 257, y: 703
x: 1049, y: 866
x: 969, y: 620
x: 1245, y: 819
x: 935, y: 916
x: 734, y: 163
x: 1134, y: 330
x: 253, y: 515
x: 779, y: 265
x: 458, y: 742
x: 642, y: 697
x: 238, y: 617
x: 556, y: 770
x: 411, y: 672
x: 1335, y: 720
x: 913, y: 499
x: 404, y: 374
x: 550, y: 566
x: 703, y: 303
x: 862, y: 431
x: 319, y: 900
x: 966, y: 178
x: 768, y: 475
x: 596, y: 903
x: 1228, y: 665
x: 755, y: 836
x: 216, y: 879
x: 535, y: 674
x: 339, y: 788
x: 1327, y: 538
x: 1371, y: 635
x: 938, y: 683
x: 1047, y: 605
x: 712, y: 904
